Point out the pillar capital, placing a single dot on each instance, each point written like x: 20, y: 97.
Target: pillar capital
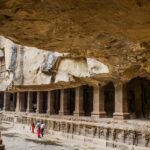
x: 121, y: 82
x: 118, y: 83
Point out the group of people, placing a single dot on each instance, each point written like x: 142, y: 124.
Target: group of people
x: 40, y: 128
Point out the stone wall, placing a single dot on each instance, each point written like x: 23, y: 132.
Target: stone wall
x: 121, y: 137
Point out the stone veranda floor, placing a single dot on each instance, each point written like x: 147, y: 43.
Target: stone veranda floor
x: 19, y: 137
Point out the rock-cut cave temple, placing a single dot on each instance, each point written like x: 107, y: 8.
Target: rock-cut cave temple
x: 102, y: 79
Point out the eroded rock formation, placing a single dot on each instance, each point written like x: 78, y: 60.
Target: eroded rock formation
x: 29, y: 66
x: 116, y: 33
x: 78, y: 42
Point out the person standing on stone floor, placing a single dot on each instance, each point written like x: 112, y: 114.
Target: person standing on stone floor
x: 33, y: 127
x: 38, y: 126
x: 42, y: 128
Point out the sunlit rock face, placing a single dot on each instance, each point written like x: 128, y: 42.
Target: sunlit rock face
x: 114, y: 33
x: 29, y: 66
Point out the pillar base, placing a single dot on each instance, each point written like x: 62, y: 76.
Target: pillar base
x: 37, y: 112
x: 99, y: 114
x: 63, y: 113
x: 29, y: 111
x: 77, y: 114
x: 50, y: 112
x: 13, y: 109
x: 139, y: 115
x: 121, y: 116
x: 4, y: 109
x: 22, y: 110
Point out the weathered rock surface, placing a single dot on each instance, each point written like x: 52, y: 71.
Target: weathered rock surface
x: 29, y: 66
x: 116, y: 33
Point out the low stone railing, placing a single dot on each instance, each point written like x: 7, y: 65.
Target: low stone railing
x: 106, y: 134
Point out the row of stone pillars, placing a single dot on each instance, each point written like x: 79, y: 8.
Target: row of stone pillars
x: 121, y: 106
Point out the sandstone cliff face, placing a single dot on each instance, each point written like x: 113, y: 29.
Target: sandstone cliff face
x: 116, y: 33
x: 32, y: 67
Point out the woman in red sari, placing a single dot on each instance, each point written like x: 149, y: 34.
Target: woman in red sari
x: 38, y: 126
x: 33, y: 127
x: 38, y: 132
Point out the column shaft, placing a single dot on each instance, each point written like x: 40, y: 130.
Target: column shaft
x: 22, y: 101
x: 18, y: 102
x: 98, y: 102
x: 29, y: 102
x: 63, y: 103
x: 50, y: 103
x: 121, y: 103
x: 6, y: 101
x: 39, y: 102
x: 79, y: 102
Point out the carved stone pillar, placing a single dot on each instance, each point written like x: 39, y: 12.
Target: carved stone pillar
x: 121, y: 103
x: 79, y: 102
x: 29, y: 102
x: 50, y: 103
x: 18, y: 102
x: 98, y: 102
x: 63, y: 103
x: 6, y: 101
x: 22, y: 101
x: 39, y: 102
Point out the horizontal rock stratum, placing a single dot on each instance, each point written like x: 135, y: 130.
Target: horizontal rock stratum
x: 114, y: 33
x: 29, y: 66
